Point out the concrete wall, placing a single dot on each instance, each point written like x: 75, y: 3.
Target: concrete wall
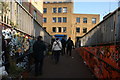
x: 107, y: 31
x: 40, y: 31
x: 0, y: 39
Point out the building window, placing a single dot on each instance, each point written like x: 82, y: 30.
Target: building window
x: 78, y: 19
x: 59, y: 19
x: 35, y: 14
x: 94, y: 20
x: 60, y: 2
x: 54, y: 2
x: 78, y: 30
x: 64, y: 19
x: 54, y: 29
x: 59, y: 10
x: 64, y: 9
x: 59, y: 29
x: 84, y: 20
x: 44, y: 10
x: 64, y: 29
x: 44, y: 20
x: 84, y: 30
x: 54, y: 19
x: 54, y: 10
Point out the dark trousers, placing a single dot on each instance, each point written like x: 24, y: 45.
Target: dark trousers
x: 69, y: 51
x: 63, y: 50
x: 56, y: 56
x: 38, y: 66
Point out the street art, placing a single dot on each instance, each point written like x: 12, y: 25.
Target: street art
x: 17, y: 44
x: 103, y: 61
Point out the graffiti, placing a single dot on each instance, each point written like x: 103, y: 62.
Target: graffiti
x: 17, y: 44
x: 102, y: 60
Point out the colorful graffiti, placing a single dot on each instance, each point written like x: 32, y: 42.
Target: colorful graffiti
x: 103, y: 61
x: 16, y: 44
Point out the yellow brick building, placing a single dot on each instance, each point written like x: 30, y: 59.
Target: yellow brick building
x: 59, y: 19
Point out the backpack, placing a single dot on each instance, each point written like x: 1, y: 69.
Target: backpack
x: 69, y: 43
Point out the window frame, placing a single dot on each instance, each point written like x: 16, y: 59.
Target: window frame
x: 59, y: 29
x: 64, y: 19
x: 85, y: 31
x: 60, y: 11
x: 59, y: 18
x: 54, y: 28
x: 64, y: 30
x: 85, y: 20
x: 94, y: 20
x: 64, y: 10
x: 44, y: 11
x: 54, y: 11
x: 77, y: 19
x: 55, y: 19
x: 44, y: 20
x: 77, y: 31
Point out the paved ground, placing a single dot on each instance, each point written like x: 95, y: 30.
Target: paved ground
x: 68, y: 67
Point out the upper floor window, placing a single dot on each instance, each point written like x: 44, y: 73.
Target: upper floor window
x: 84, y: 20
x: 94, y: 20
x: 54, y: 2
x: 54, y: 29
x: 54, y: 10
x: 59, y: 10
x: 78, y: 30
x: 54, y: 19
x: 59, y: 19
x: 64, y: 9
x: 60, y: 2
x: 35, y: 14
x: 44, y: 10
x: 78, y: 19
x: 64, y: 29
x: 59, y: 29
x: 44, y: 20
x: 84, y: 30
x: 64, y: 19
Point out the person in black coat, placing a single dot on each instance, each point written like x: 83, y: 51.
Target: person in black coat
x: 63, y: 41
x: 5, y: 55
x: 69, y: 45
x: 38, y: 49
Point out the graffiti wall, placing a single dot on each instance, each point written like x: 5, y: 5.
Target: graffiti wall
x: 14, y: 45
x: 103, y: 61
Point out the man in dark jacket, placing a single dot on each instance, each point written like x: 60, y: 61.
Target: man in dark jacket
x: 63, y: 41
x: 69, y: 45
x: 38, y: 48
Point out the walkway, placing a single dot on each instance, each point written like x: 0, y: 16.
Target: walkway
x: 68, y: 67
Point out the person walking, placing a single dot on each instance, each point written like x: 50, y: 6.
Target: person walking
x: 56, y: 47
x: 69, y: 45
x: 63, y: 41
x: 38, y: 49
